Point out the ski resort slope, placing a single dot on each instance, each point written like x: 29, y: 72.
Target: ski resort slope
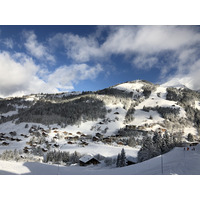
x: 176, y: 162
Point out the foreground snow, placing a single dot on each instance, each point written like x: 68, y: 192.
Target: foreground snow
x: 176, y: 161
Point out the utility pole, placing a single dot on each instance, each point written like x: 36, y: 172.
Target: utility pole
x: 162, y: 164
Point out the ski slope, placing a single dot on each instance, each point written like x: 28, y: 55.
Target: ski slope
x: 175, y: 162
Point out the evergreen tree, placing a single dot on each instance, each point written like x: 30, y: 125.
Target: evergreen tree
x: 190, y: 137
x: 118, y: 160
x: 147, y: 151
x: 123, y: 158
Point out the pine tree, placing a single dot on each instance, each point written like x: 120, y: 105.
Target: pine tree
x: 147, y: 151
x: 190, y: 137
x: 123, y: 158
x: 118, y: 160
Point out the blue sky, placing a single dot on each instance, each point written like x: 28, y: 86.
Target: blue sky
x: 57, y: 58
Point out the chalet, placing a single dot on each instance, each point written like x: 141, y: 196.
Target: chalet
x: 83, y: 143
x: 2, y: 139
x: 44, y: 149
x: 99, y: 135
x: 70, y: 142
x: 120, y: 143
x: 131, y: 160
x: 70, y: 134
x: 68, y: 137
x: 65, y: 132
x: 116, y: 113
x: 44, y: 134
x: 75, y: 138
x: 55, y: 131
x: 88, y: 160
x: 79, y: 133
x: 26, y: 136
x: 25, y: 148
x: 194, y: 143
x: 5, y: 143
x: 107, y: 139
x: 95, y: 139
x: 56, y: 145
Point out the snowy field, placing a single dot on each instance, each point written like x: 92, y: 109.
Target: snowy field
x: 175, y: 162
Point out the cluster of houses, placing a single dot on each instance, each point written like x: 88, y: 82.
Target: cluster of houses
x: 144, y: 127
x: 5, y: 139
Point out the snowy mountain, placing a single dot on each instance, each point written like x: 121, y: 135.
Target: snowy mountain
x: 100, y: 123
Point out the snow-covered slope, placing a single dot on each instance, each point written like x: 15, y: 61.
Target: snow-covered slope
x: 176, y: 162
x: 139, y: 108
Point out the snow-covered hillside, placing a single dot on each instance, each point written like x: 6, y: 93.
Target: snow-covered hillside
x: 101, y: 122
x: 175, y: 162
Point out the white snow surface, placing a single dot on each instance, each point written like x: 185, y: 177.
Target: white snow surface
x: 175, y: 162
x: 10, y: 113
x: 130, y: 87
x: 197, y: 105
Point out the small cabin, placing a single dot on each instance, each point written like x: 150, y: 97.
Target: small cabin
x: 44, y: 149
x: 131, y: 160
x: 5, y: 143
x: 95, y: 139
x: 120, y: 143
x: 56, y: 145
x: 44, y: 134
x: 99, y: 135
x: 194, y: 144
x: 88, y: 160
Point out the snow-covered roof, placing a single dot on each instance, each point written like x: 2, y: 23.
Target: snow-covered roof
x: 131, y: 159
x: 86, y: 158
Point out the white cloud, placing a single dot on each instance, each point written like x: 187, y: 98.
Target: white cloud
x: 144, y: 47
x: 146, y: 40
x: 66, y: 76
x: 80, y: 49
x: 20, y: 75
x: 8, y: 42
x: 37, y: 49
x: 145, y: 62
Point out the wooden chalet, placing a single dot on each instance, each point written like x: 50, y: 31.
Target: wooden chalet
x: 88, y: 160
x: 5, y: 143
x: 99, y: 135
x: 44, y: 134
x: 116, y: 113
x: 131, y: 160
x: 95, y: 139
x: 194, y: 144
